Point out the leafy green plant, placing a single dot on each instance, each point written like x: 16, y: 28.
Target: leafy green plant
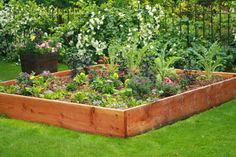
x: 24, y: 78
x: 163, y: 64
x: 71, y: 86
x: 140, y: 85
x: 79, y: 97
x: 209, y: 59
x: 167, y: 89
x: 10, y: 89
x: 103, y: 85
x: 81, y: 78
x: 49, y: 94
x: 133, y: 57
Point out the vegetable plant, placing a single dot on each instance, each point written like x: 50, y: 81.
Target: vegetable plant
x: 81, y: 78
x: 163, y: 64
x: 209, y: 59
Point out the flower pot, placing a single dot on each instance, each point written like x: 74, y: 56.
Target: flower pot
x: 39, y: 62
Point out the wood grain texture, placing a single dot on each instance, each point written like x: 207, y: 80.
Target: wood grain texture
x: 223, y: 74
x: 168, y: 110
x: 115, y: 122
x: 68, y: 115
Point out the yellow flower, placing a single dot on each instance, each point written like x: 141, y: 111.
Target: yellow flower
x: 32, y: 37
x: 32, y: 77
x: 126, y: 82
x: 115, y: 75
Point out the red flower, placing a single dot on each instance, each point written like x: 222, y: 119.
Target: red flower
x: 99, y: 72
x: 100, y: 61
x: 90, y: 76
x: 167, y: 80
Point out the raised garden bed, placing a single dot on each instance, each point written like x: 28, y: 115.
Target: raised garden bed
x: 117, y: 122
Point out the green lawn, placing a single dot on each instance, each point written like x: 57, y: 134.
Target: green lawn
x: 210, y: 134
x: 11, y: 70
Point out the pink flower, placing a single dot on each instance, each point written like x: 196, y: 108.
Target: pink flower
x: 167, y: 80
x: 47, y: 44
x: 43, y: 45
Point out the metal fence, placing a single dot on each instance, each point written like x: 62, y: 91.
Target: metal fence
x: 211, y: 21
x: 215, y: 21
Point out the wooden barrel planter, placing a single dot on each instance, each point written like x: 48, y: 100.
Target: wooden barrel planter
x: 115, y: 122
x: 39, y: 62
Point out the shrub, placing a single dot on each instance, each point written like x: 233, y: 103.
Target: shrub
x: 140, y: 85
x: 167, y: 89
x: 71, y: 86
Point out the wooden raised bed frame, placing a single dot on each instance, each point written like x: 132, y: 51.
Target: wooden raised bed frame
x: 115, y: 122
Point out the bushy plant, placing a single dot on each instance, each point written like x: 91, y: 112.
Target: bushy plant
x: 81, y: 78
x: 209, y: 59
x: 163, y: 64
x: 79, y: 97
x: 167, y: 89
x: 71, y: 86
x: 140, y: 85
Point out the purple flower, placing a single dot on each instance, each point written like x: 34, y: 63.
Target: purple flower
x: 46, y: 74
x: 97, y: 102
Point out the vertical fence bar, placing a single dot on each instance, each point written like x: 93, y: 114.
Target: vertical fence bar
x: 188, y: 23
x: 212, y: 33
x: 204, y: 25
x: 228, y: 23
x: 165, y: 23
x: 180, y: 18
x: 172, y: 10
x: 220, y: 19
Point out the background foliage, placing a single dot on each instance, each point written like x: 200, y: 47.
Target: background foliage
x: 88, y: 28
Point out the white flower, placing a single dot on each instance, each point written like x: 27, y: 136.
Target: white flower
x: 150, y: 13
x: 97, y: 20
x: 92, y: 21
x: 121, y: 14
x: 154, y: 10
x: 161, y: 12
x: 71, y: 43
x: 135, y: 29
x: 148, y: 7
x: 91, y: 27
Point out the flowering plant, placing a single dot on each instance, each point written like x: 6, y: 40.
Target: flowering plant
x: 36, y: 46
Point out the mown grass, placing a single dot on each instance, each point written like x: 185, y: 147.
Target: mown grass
x: 9, y: 70
x: 210, y: 134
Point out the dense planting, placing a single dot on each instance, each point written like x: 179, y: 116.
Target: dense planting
x: 102, y: 87
x: 138, y: 46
